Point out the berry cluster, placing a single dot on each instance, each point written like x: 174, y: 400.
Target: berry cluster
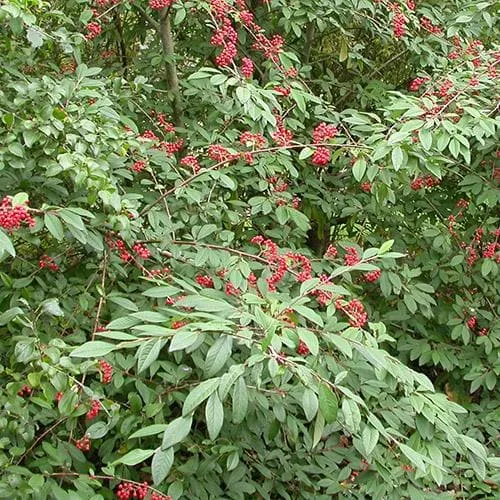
x: 416, y: 83
x: 304, y: 263
x: 231, y: 290
x: 252, y: 279
x: 472, y: 322
x: 205, y: 281
x: 445, y: 87
x: 225, y: 35
x: 247, y: 67
x: 159, y: 272
x: 411, y: 5
x: 428, y: 25
x: 251, y: 140
x: 59, y: 395
x: 149, y: 135
x: 11, y: 217
x: 167, y: 126
x: 48, y: 262
x: 219, y: 153
x: 424, y: 182
x: 141, y: 251
x: 355, y: 310
x: 178, y: 324
x: 83, y: 443
x: 372, y: 276
x: 160, y: 4
x: 94, y: 29
x: 351, y: 257
x: 191, y: 161
x: 302, y: 349
x: 324, y: 132
x: 25, y: 391
x: 490, y: 250
x: 398, y: 21
x: 284, y: 91
x: 269, y: 47
x: 366, y: 187
x: 139, y: 166
x: 321, y: 156
x: 107, y: 371
x: 282, y: 136
x: 331, y: 252
x: 94, y: 409
x: 120, y: 247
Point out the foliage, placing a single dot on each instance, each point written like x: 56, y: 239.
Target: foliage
x: 243, y: 267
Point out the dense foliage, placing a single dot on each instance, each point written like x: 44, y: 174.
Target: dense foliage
x: 249, y: 249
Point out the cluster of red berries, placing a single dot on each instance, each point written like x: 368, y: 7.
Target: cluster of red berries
x: 372, y: 276
x: 351, y: 257
x: 331, y: 252
x: 83, y: 443
x: 160, y: 4
x: 59, y: 395
x: 68, y: 67
x: 149, y: 135
x: 472, y: 322
x: 366, y: 187
x: 428, y: 182
x: 321, y: 156
x: 252, y: 279
x: 25, y: 391
x: 429, y: 26
x: 141, y: 251
x: 411, y: 5
x: 128, y: 491
x: 219, y: 153
x: 192, y: 162
x: 205, y: 281
x: 445, y: 87
x: 416, y: 83
x: 355, y: 310
x: 304, y: 263
x: 120, y: 247
x: 94, y: 409
x: 490, y: 250
x: 247, y: 67
x: 178, y: 324
x: 48, y: 262
x: 225, y: 35
x: 282, y: 136
x: 171, y: 147
x: 323, y: 132
x: 11, y: 217
x: 270, y: 47
x: 323, y: 297
x: 284, y: 91
x: 139, y: 166
x: 167, y: 126
x: 302, y: 349
x: 280, y: 202
x: 398, y: 21
x: 251, y: 140
x: 159, y: 272
x: 107, y: 371
x: 278, y: 185
x: 231, y: 290
x: 94, y: 29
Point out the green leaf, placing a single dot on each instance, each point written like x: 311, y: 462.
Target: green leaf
x: 134, y: 457
x: 414, y: 457
x: 369, y: 438
x: 342, y: 344
x: 309, y: 314
x: 243, y: 94
x: 240, y: 401
x: 6, y: 244
x: 310, y: 403
x: 310, y: 339
x: 397, y: 157
x: 148, y: 353
x: 149, y: 430
x: 161, y: 291
x: 199, y: 394
x: 97, y: 430
x: 93, y: 349
x: 54, y: 226
x: 123, y: 302
x: 475, y: 447
x: 218, y: 354
x: 359, y: 169
x: 68, y: 403
x: 161, y: 464
x: 176, y: 431
x: 214, y: 415
x: 183, y: 339
x: 328, y: 404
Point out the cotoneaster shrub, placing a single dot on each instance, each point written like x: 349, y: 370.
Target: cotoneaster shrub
x: 248, y: 250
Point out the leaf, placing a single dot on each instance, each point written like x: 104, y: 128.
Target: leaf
x: 54, y: 226
x: 34, y: 36
x: 328, y: 404
x: 359, y: 169
x: 93, y: 349
x: 309, y: 314
x: 148, y: 353
x: 150, y: 430
x: 176, y: 431
x: 243, y: 94
x: 342, y: 344
x: 414, y: 457
x: 205, y: 304
x: 183, y: 339
x: 161, y: 291
x: 218, y: 354
x: 97, y: 430
x: 214, y: 415
x: 199, y: 394
x: 310, y: 339
x: 319, y: 426
x: 310, y: 403
x: 344, y: 51
x: 475, y: 447
x: 369, y: 438
x: 425, y: 137
x: 6, y: 244
x: 161, y: 464
x: 123, y: 302
x: 72, y: 219
x: 68, y: 403
x: 52, y: 307
x: 134, y: 457
x: 240, y: 401
x: 397, y: 157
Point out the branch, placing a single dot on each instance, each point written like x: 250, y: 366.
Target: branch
x: 167, y: 43
x: 151, y: 20
x: 311, y: 28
